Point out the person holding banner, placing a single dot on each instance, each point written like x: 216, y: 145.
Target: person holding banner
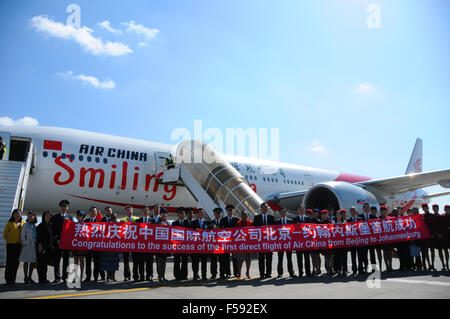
x: 57, y: 224
x: 240, y: 257
x: 199, y: 223
x: 328, y: 253
x: 78, y: 254
x: 284, y: 221
x: 340, y: 259
x: 145, y: 259
x: 264, y: 259
x: 161, y: 258
x: 109, y: 260
x: 180, y: 261
x: 129, y: 218
x: 108, y: 214
x: 157, y: 211
x: 376, y: 248
x: 93, y: 256
x: 228, y: 221
x: 215, y: 224
x: 302, y: 255
x: 315, y: 255
x: 386, y: 248
x: 364, y: 250
x: 355, y: 252
x: 189, y: 211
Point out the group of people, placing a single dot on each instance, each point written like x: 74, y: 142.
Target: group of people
x: 39, y: 245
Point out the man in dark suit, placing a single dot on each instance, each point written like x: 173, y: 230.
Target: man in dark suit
x: 180, y: 261
x: 199, y: 223
x: 157, y: 210
x: 365, y: 249
x: 355, y: 251
x: 188, y: 222
x: 108, y: 213
x: 302, y: 254
x: 284, y: 221
x: 93, y: 256
x: 228, y: 221
x: 215, y: 224
x: 264, y: 259
x: 145, y: 259
x: 57, y: 223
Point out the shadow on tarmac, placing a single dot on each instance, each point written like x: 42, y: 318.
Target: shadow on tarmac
x: 211, y: 283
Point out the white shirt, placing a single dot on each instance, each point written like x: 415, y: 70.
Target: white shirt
x: 264, y: 218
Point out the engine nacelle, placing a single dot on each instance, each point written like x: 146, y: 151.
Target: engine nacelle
x: 341, y: 195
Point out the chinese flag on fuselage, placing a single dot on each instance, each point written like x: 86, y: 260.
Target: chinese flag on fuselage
x: 52, y: 145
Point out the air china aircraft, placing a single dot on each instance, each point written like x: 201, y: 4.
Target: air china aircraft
x: 92, y: 169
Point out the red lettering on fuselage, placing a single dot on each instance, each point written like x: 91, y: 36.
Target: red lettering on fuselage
x: 99, y: 174
x: 84, y: 171
x: 67, y: 168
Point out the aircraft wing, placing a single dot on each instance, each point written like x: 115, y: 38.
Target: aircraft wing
x: 436, y: 195
x: 410, y: 182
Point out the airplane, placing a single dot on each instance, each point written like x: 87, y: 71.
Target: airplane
x: 94, y: 169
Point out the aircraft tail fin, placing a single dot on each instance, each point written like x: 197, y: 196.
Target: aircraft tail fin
x: 415, y: 162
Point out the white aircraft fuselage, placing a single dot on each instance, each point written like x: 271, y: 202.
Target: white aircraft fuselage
x: 93, y: 169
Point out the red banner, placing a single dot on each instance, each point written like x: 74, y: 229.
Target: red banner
x: 140, y: 237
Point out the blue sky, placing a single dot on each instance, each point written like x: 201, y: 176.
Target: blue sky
x: 344, y: 96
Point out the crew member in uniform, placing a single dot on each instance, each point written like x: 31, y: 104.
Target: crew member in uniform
x: 302, y: 255
x: 157, y: 211
x: 386, y: 248
x: 315, y: 254
x: 228, y: 221
x: 215, y: 224
x: 364, y: 262
x: 129, y: 218
x: 340, y: 257
x: 264, y: 259
x: 180, y: 261
x: 56, y: 224
x: 284, y: 221
x: 355, y: 252
x: 108, y: 214
x: 447, y: 217
x: 427, y: 243
x: 440, y: 241
x: 376, y: 248
x: 189, y: 211
x: 199, y: 223
x: 93, y: 256
x: 146, y: 259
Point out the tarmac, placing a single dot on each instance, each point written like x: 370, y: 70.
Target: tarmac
x: 393, y: 285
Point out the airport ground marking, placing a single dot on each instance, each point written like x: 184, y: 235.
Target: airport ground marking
x: 187, y: 284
